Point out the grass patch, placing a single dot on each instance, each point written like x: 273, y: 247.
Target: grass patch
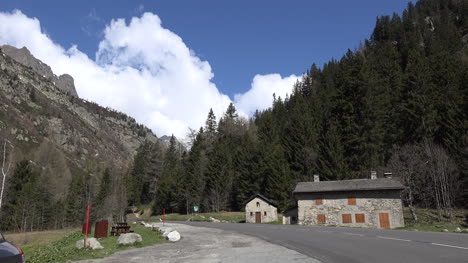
x: 232, y: 217
x: 64, y: 249
x: 428, y: 221
x: 37, y: 238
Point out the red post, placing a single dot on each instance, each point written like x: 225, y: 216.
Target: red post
x: 87, y: 225
x: 164, y: 216
x: 87, y: 220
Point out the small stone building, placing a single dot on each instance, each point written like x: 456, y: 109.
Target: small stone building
x: 259, y: 209
x: 290, y: 216
x: 374, y: 202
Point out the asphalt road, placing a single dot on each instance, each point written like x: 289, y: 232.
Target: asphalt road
x: 207, y: 245
x: 340, y: 244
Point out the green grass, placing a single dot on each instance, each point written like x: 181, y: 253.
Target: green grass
x: 37, y: 238
x: 232, y: 217
x: 428, y: 221
x: 64, y: 249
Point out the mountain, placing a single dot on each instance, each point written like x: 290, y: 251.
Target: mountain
x: 64, y: 82
x: 62, y: 135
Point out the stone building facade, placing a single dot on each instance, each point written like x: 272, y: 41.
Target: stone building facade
x: 372, y: 203
x: 259, y: 209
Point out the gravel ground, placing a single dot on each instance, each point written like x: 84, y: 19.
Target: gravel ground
x: 208, y: 245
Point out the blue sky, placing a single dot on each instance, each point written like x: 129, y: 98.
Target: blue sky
x: 239, y: 39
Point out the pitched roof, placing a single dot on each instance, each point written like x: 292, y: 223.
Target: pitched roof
x: 271, y: 202
x: 349, y: 185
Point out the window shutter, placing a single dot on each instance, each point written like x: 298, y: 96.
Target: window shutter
x: 360, y: 218
x: 351, y: 200
x: 319, y: 201
x: 346, y: 218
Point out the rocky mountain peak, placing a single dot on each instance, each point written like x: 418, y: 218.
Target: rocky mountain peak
x: 23, y: 56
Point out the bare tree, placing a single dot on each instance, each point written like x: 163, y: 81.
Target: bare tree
x: 6, y: 164
x: 406, y: 162
x: 441, y: 170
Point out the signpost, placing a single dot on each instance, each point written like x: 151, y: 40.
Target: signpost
x: 164, y: 216
x: 87, y: 224
x: 195, y: 208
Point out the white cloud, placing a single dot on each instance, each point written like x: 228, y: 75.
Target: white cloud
x: 260, y: 96
x: 142, y: 69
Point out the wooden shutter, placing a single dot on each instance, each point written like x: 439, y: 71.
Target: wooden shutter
x: 351, y: 200
x: 321, y: 219
x: 347, y: 218
x: 319, y: 201
x: 360, y: 218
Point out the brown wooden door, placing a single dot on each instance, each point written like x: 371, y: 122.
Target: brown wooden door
x: 384, y: 220
x: 258, y: 217
x: 321, y: 219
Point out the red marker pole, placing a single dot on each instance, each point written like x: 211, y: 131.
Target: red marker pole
x: 87, y: 224
x: 164, y: 216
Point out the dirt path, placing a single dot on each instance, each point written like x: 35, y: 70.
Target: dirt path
x: 208, y: 245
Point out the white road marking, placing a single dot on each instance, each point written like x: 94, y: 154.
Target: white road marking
x: 353, y: 234
x: 443, y: 245
x: 406, y: 240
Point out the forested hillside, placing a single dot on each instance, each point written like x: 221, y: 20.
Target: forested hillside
x: 58, y: 147
x: 398, y: 103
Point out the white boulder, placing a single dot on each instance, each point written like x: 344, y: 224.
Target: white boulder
x: 129, y: 239
x: 173, y: 236
x: 165, y: 231
x: 214, y: 220
x: 90, y: 242
x: 458, y: 230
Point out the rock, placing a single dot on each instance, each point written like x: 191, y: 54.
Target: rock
x: 457, y: 230
x: 134, y: 223
x: 90, y: 242
x: 165, y: 231
x: 129, y: 239
x: 444, y: 230
x: 66, y: 83
x: 174, y: 236
x: 214, y: 220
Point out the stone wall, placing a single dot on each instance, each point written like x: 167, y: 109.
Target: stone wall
x: 268, y: 212
x: 334, y: 205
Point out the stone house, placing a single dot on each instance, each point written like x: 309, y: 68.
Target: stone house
x: 259, y: 209
x: 290, y: 216
x: 374, y: 202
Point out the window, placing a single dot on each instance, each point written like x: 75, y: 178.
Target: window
x: 319, y: 201
x: 264, y: 213
x: 258, y: 204
x: 351, y: 200
x: 346, y: 218
x: 251, y: 213
x: 360, y: 218
x: 321, y: 219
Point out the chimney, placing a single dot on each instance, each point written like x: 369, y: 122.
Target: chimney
x: 373, y: 175
x: 387, y: 175
x: 316, y: 178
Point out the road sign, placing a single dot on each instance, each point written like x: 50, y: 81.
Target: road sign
x: 195, y: 208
